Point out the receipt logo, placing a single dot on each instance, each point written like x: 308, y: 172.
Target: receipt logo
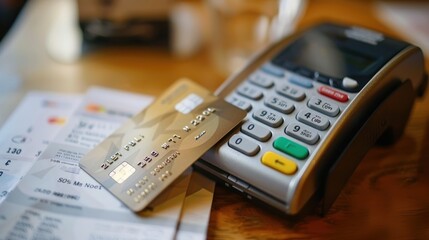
x: 189, y: 103
x: 56, y: 120
x: 98, y: 109
x: 95, y: 108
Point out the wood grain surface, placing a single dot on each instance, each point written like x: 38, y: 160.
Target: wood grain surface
x: 386, y: 198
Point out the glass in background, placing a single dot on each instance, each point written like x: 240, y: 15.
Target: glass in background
x: 240, y: 28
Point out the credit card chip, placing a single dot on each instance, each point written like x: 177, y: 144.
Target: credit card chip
x: 122, y: 172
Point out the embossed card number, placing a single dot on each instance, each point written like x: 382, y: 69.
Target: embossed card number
x: 143, y: 157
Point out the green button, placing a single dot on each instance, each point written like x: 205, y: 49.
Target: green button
x: 291, y: 148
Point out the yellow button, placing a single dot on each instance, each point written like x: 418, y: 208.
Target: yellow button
x: 279, y: 163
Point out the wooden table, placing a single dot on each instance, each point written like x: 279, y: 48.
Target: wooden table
x: 386, y: 198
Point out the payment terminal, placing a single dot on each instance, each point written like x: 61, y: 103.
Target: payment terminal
x: 316, y: 102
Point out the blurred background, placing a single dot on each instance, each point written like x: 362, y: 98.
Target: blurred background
x: 129, y: 44
x: 143, y: 46
x: 9, y: 9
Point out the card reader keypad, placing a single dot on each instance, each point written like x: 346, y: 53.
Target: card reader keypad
x: 302, y: 132
x: 291, y: 91
x: 280, y: 104
x: 249, y: 92
x: 244, y: 145
x: 256, y: 131
x: 288, y: 115
x: 269, y: 117
x: 323, y: 106
x: 313, y: 119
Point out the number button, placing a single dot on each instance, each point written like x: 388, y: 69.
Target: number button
x: 280, y: 104
x: 255, y: 131
x: 261, y: 80
x: 243, y: 145
x: 313, y: 119
x: 302, y: 132
x: 246, y: 106
x: 249, y: 92
x: 291, y: 92
x: 268, y: 117
x: 323, y: 106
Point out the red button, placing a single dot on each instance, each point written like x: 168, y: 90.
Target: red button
x: 334, y: 94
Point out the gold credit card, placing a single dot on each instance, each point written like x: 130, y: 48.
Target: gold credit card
x: 150, y: 151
